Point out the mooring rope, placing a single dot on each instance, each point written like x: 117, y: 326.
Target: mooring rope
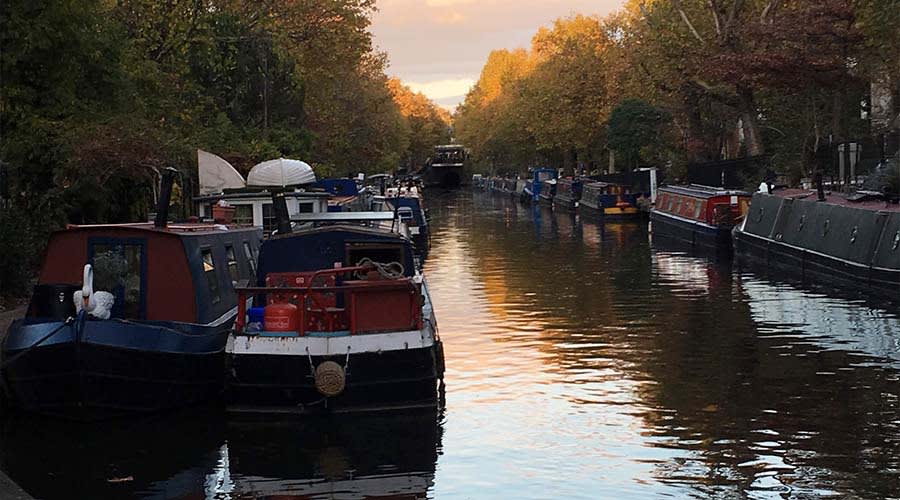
x: 391, y: 270
x: 43, y: 339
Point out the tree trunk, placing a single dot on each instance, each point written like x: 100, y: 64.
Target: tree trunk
x: 750, y: 122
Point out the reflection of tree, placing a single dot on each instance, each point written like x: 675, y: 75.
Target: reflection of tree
x: 740, y: 399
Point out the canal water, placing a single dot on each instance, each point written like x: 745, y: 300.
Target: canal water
x: 583, y: 361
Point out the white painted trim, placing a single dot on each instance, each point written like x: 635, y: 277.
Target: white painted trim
x: 330, y: 346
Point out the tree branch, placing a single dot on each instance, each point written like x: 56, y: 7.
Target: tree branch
x: 684, y: 17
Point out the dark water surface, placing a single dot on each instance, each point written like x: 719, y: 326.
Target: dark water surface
x: 583, y: 361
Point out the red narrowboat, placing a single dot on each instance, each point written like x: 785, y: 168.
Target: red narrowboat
x: 700, y: 216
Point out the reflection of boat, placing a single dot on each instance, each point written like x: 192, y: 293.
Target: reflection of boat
x: 153, y: 457
x: 700, y: 216
x: 346, y: 457
x: 832, y: 322
x: 347, y: 322
x: 163, y: 343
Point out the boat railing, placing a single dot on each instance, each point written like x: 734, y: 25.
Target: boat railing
x: 366, y: 303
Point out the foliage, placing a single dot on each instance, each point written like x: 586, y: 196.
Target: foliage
x: 97, y: 96
x: 632, y: 126
x: 737, y: 77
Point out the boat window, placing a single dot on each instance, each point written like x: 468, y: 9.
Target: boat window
x: 697, y: 208
x: 305, y: 208
x: 232, y: 263
x: 251, y: 260
x: 209, y: 269
x: 269, y: 222
x: 243, y: 214
x: 118, y: 269
x: 678, y: 203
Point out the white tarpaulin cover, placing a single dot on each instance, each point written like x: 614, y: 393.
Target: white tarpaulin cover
x: 281, y: 172
x: 216, y: 174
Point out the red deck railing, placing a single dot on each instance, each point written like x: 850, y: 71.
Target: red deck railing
x: 368, y: 305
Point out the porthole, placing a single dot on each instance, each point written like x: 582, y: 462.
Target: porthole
x: 853, y: 234
x: 759, y: 214
x: 825, y: 229
x: 802, y: 221
x: 896, y: 241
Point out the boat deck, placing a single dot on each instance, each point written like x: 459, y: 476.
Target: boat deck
x: 838, y: 199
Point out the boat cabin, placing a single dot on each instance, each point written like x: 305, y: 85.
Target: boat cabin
x: 254, y: 207
x: 568, y: 190
x: 538, y: 177
x: 612, y: 198
x: 708, y: 205
x: 335, y: 280
x: 182, y: 273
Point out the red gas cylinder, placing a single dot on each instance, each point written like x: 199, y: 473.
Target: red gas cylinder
x: 281, y: 317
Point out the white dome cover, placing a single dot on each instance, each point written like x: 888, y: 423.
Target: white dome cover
x: 281, y: 172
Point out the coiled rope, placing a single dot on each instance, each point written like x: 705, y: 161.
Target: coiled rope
x: 391, y: 270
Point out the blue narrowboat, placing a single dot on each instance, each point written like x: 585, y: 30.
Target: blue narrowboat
x: 128, y: 318
x: 612, y: 201
x: 534, y: 186
x: 568, y: 193
x: 342, y: 322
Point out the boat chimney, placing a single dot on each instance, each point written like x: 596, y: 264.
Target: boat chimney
x: 282, y: 217
x: 165, y: 196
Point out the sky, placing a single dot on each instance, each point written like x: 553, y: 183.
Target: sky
x: 438, y: 47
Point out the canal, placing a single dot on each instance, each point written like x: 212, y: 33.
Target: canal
x: 583, y: 361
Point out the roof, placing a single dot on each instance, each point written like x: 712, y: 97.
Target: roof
x: 180, y: 229
x: 343, y: 216
x: 699, y: 191
x: 264, y: 194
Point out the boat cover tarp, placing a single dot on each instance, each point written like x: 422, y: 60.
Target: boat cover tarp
x: 216, y: 174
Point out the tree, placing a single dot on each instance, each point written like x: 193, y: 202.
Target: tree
x: 635, y: 125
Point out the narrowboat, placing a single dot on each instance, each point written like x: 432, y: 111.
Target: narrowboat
x: 568, y: 192
x: 835, y: 241
x: 410, y: 210
x: 342, y: 322
x: 532, y: 190
x: 700, y: 216
x: 611, y: 201
x: 548, y: 191
x: 446, y: 167
x: 129, y: 318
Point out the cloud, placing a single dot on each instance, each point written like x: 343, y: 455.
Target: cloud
x: 443, y: 44
x: 443, y: 89
x: 450, y: 18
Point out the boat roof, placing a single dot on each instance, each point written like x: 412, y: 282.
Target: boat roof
x: 700, y: 191
x: 178, y: 229
x: 343, y: 216
x: 251, y: 195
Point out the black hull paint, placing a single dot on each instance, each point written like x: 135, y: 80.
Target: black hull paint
x: 94, y: 382
x: 390, y: 380
x: 815, y: 267
x: 698, y: 236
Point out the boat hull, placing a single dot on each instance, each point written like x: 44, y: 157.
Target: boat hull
x: 275, y: 376
x: 93, y: 370
x: 445, y: 177
x: 815, y: 266
x: 697, y: 235
x: 612, y: 214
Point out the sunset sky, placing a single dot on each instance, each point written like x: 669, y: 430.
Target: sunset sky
x: 438, y: 47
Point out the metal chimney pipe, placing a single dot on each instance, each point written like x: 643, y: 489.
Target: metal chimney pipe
x: 282, y: 217
x: 165, y: 196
